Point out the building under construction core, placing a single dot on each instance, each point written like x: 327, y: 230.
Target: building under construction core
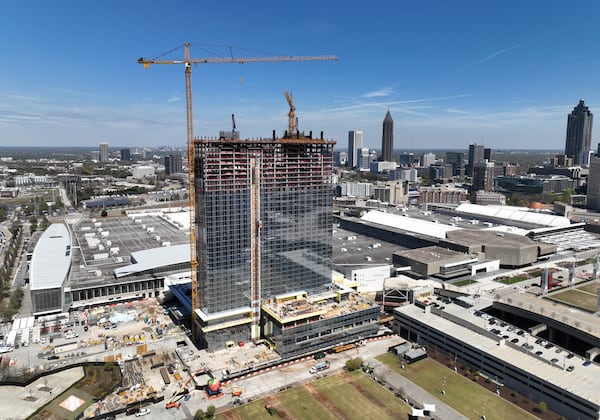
x: 263, y: 228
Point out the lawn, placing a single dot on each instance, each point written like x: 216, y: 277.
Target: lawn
x: 96, y: 383
x: 53, y: 410
x: 464, y: 282
x: 346, y: 395
x: 590, y: 287
x: 576, y: 298
x: 515, y: 279
x: 462, y: 394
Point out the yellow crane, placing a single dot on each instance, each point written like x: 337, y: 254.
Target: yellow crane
x: 292, y: 122
x: 187, y: 62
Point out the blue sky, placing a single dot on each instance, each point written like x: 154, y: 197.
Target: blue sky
x: 502, y: 73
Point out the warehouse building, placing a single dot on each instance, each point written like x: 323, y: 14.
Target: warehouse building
x: 49, y: 268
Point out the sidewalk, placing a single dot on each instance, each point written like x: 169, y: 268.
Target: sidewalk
x: 417, y: 396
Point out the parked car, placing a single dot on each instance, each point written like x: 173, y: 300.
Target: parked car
x: 142, y: 412
x: 571, y: 368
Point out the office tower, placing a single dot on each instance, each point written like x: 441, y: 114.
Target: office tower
x: 487, y: 154
x: 173, y: 164
x: 125, y: 155
x: 593, y: 184
x: 579, y: 133
x: 483, y: 176
x: 364, y: 159
x: 457, y: 160
x: 263, y: 229
x: 355, y: 145
x: 427, y: 159
x: 407, y: 159
x: 103, y: 152
x: 476, y: 155
x: 387, y: 139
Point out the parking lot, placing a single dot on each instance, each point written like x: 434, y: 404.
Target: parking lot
x: 534, y: 346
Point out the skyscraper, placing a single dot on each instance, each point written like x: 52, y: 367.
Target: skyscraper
x: 483, y: 176
x: 579, y: 133
x: 103, y: 152
x: 355, y: 145
x: 125, y: 155
x: 387, y: 139
x: 264, y: 227
x: 173, y: 164
x: 476, y: 155
x: 593, y: 184
x: 457, y: 160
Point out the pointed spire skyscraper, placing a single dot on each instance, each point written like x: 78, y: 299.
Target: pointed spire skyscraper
x: 387, y: 140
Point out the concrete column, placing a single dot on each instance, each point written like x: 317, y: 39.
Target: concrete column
x: 572, y: 274
x: 544, y: 285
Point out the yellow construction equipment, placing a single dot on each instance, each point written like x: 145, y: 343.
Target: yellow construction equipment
x: 187, y: 62
x: 292, y: 121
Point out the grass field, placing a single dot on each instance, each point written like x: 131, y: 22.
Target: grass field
x: 464, y: 282
x: 95, y: 384
x: 462, y: 394
x: 54, y: 411
x: 349, y: 395
x: 577, y: 298
x: 590, y: 287
x: 515, y: 279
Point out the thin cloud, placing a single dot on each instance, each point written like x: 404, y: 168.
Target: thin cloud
x: 387, y: 91
x: 379, y: 105
x: 173, y: 99
x: 490, y: 57
x: 457, y: 111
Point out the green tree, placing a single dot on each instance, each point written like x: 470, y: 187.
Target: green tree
x: 199, y: 415
x: 104, y: 213
x: 542, y: 406
x: 210, y: 411
x: 354, y: 364
x: 34, y: 223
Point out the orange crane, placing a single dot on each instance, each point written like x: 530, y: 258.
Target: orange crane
x: 173, y: 402
x: 187, y: 62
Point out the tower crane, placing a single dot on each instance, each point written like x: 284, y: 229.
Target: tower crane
x: 292, y: 123
x: 187, y: 61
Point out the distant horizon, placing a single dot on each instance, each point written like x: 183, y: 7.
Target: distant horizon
x: 450, y: 73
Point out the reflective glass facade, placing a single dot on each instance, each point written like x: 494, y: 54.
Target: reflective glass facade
x: 293, y: 195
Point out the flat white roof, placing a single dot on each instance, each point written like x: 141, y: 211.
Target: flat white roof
x: 437, y: 230
x: 148, y: 259
x: 584, y: 381
x: 51, y: 258
x: 513, y: 213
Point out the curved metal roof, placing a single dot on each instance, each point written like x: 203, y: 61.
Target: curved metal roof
x: 51, y: 258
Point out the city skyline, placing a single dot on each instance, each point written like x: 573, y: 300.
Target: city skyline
x: 450, y: 74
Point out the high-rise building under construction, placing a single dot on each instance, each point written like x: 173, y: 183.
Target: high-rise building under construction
x: 264, y: 222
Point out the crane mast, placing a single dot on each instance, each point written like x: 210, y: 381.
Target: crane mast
x: 188, y: 62
x: 292, y: 124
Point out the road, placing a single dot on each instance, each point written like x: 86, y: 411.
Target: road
x: 295, y: 374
